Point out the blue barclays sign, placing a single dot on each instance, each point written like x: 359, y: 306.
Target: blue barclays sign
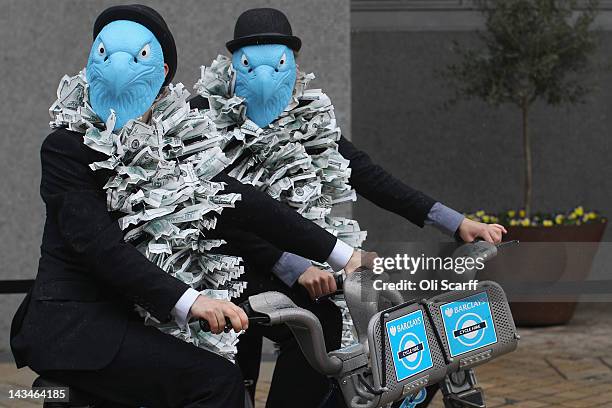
x: 409, y: 344
x: 468, y: 324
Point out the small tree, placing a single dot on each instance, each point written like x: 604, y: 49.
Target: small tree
x: 533, y: 50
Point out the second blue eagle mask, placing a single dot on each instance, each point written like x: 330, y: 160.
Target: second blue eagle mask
x: 125, y: 71
x: 265, y: 77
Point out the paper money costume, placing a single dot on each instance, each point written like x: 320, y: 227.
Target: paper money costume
x: 295, y: 159
x: 147, y: 182
x: 288, y: 144
x: 161, y: 183
x: 161, y: 171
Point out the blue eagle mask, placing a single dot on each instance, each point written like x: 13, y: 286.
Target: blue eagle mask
x: 265, y: 77
x: 125, y: 71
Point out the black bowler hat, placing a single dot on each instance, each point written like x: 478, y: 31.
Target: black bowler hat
x: 263, y: 26
x: 149, y: 18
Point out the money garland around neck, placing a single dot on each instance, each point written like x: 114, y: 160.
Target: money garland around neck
x: 160, y: 183
x: 295, y: 159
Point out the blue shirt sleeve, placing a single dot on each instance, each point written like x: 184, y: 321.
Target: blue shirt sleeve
x: 289, y: 267
x: 444, y: 218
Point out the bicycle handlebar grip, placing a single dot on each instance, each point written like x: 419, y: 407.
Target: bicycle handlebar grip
x: 205, y: 326
x: 339, y: 289
x: 339, y: 281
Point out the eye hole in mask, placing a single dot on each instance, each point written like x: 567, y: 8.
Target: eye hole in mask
x: 102, y: 50
x: 282, y: 62
x: 145, y: 52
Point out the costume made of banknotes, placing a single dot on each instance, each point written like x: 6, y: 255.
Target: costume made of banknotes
x: 161, y: 181
x: 295, y: 159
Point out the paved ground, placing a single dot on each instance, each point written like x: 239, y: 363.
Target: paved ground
x: 567, y: 366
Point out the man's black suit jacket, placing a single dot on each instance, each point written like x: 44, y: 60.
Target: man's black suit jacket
x: 370, y: 180
x: 89, y: 278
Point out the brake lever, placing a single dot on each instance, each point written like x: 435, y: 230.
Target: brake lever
x: 323, y: 298
x: 514, y: 242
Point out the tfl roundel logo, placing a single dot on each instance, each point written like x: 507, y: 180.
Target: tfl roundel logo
x: 409, y: 344
x: 468, y: 324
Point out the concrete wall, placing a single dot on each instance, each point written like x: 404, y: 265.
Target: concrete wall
x: 41, y: 41
x: 470, y: 156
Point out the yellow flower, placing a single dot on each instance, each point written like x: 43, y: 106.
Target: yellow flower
x: 559, y: 219
x: 572, y: 216
x: 522, y: 213
x: 513, y: 223
x: 485, y: 218
x: 525, y: 222
x: 494, y: 219
x: 579, y: 211
x: 480, y: 213
x: 592, y: 215
x: 511, y: 213
x: 547, y: 223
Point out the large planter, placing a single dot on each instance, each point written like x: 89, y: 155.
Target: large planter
x: 546, y: 255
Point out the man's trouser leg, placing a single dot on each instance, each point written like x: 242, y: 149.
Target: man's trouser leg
x: 154, y: 369
x: 294, y: 383
x: 249, y: 357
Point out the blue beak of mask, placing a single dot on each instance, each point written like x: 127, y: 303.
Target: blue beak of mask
x: 125, y: 71
x: 265, y: 77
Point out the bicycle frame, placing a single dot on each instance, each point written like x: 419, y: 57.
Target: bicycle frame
x: 367, y: 372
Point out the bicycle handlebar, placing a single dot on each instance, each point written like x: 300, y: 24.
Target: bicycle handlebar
x: 472, y: 249
x: 253, y: 316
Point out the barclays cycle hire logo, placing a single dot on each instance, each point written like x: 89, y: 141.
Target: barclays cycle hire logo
x: 468, y: 324
x: 412, y: 401
x: 409, y: 345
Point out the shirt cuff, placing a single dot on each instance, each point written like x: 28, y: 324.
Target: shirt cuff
x: 340, y: 256
x: 289, y: 267
x: 444, y: 218
x: 181, y: 311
